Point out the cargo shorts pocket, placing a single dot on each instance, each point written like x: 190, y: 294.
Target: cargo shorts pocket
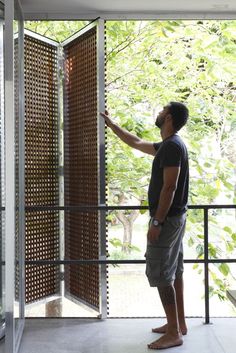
x: 155, y: 259
x: 153, y: 270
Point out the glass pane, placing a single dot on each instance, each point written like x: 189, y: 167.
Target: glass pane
x: 127, y: 235
x: 194, y: 290
x: 222, y: 234
x: 127, y: 232
x: 62, y: 304
x: 128, y: 286
x: 128, y: 293
x: 129, y: 290
x: 194, y: 235
x: 222, y: 278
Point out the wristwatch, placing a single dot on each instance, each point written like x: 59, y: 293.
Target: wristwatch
x: 156, y: 223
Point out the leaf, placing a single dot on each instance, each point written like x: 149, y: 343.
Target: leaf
x: 227, y: 229
x: 218, y: 184
x: 233, y: 236
x: 212, y: 250
x: 228, y: 185
x: 211, y: 291
x: 199, y: 169
x: 135, y: 248
x: 116, y: 242
x: 190, y: 242
x: 164, y: 32
x: 169, y: 28
x: 229, y: 247
x: 143, y: 203
x: 218, y: 282
x: 207, y: 165
x: 224, y: 269
x: 200, y: 250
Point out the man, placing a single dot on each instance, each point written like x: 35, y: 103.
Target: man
x: 167, y: 196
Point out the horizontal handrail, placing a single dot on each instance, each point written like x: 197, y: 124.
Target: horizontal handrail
x: 111, y: 262
x: 90, y: 208
x: 114, y: 208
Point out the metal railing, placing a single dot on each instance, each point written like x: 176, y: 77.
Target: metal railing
x: 206, y: 260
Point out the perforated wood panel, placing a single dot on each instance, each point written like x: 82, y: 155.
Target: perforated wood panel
x: 81, y: 166
x: 41, y: 166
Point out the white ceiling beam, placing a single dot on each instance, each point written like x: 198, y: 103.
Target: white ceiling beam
x: 167, y: 15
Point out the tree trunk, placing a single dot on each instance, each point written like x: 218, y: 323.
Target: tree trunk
x: 127, y: 222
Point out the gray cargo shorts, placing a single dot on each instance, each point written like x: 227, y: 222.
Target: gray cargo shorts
x: 164, y: 257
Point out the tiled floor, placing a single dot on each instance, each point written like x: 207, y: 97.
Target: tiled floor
x: 121, y: 335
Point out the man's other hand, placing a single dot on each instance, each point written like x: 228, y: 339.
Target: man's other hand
x: 107, y: 118
x: 153, y: 233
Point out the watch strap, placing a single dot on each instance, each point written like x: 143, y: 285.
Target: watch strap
x: 156, y: 223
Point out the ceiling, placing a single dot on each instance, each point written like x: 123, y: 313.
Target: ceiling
x: 127, y: 8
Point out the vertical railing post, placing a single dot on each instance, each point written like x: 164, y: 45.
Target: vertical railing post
x: 206, y: 267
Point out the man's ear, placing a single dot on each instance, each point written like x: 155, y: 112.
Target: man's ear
x: 169, y: 117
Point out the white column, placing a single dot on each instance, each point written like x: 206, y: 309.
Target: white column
x: 10, y: 175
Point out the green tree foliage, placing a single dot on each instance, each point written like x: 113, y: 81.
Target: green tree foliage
x: 55, y: 30
x: 151, y: 63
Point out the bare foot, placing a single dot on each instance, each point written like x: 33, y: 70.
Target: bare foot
x: 166, y: 341
x: 163, y: 329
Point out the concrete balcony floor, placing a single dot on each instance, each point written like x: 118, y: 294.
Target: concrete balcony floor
x: 121, y: 335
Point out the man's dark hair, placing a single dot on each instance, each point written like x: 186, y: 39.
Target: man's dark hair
x: 179, y: 113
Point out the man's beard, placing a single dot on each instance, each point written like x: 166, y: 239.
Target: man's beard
x: 159, y: 122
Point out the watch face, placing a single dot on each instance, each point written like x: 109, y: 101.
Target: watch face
x: 155, y: 222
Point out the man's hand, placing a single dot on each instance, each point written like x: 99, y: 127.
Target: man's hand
x: 127, y: 137
x: 107, y: 119
x: 153, y: 233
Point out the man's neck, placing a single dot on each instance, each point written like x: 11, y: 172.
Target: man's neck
x: 167, y: 133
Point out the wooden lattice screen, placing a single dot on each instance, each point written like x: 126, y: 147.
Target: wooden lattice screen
x: 81, y: 166
x: 41, y: 166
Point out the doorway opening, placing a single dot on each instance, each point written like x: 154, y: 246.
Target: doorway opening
x: 149, y: 63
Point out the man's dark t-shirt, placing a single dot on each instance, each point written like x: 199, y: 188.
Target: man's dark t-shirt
x: 171, y: 152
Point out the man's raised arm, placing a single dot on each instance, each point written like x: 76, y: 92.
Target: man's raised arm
x: 128, y: 138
